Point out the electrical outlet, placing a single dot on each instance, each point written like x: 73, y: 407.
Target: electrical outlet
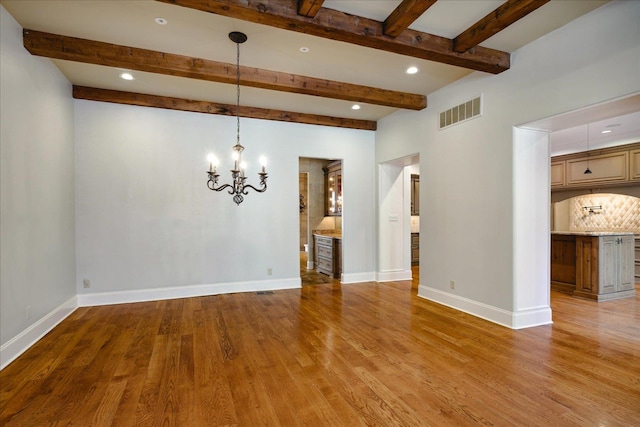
x: 28, y: 312
x: 269, y: 271
x: 86, y: 283
x: 452, y: 284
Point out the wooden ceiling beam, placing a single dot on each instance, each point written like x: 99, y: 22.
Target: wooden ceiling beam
x: 336, y: 25
x: 100, y: 53
x: 404, y: 15
x: 309, y: 8
x: 170, y: 103
x: 496, y: 21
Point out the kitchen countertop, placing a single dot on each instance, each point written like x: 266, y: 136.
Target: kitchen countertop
x: 336, y: 234
x: 594, y: 233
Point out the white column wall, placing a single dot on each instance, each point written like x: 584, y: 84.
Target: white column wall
x: 470, y: 173
x: 37, y: 244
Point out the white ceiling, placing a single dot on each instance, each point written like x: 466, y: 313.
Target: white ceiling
x: 205, y: 35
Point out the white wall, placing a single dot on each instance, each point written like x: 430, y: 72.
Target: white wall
x: 37, y: 253
x: 146, y: 220
x: 471, y: 175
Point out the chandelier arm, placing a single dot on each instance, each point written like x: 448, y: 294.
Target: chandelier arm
x: 222, y: 187
x: 260, y: 190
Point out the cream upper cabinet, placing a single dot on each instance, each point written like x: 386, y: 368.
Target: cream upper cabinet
x: 557, y: 174
x: 635, y: 164
x: 612, y: 166
x: 604, y: 168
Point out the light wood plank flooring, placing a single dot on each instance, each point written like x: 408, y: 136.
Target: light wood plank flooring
x: 328, y: 355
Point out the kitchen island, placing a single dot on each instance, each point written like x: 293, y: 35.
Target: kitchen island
x: 593, y: 265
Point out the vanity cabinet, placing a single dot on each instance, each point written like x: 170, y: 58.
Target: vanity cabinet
x: 333, y: 189
x: 415, y: 194
x: 328, y: 254
x: 415, y: 248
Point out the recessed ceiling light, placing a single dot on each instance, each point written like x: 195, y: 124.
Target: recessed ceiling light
x: 304, y: 49
x: 161, y: 21
x: 606, y: 131
x: 412, y: 70
x: 126, y: 76
x: 355, y: 107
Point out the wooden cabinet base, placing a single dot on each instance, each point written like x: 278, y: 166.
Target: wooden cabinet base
x: 596, y: 267
x: 604, y: 297
x: 328, y: 255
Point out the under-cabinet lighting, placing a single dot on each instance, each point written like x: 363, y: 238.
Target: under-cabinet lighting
x: 126, y: 76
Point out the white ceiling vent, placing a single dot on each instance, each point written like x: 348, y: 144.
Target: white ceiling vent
x: 461, y: 113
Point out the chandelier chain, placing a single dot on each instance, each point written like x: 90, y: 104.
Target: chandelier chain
x: 238, y: 93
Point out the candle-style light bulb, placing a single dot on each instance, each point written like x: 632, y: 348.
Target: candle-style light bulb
x: 213, y: 162
x: 236, y: 157
x: 263, y: 163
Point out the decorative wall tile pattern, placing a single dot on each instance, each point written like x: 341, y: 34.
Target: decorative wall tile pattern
x: 618, y: 213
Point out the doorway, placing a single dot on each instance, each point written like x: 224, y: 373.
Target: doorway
x: 399, y: 220
x: 314, y: 217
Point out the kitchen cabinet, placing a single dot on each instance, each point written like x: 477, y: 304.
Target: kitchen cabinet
x: 635, y: 164
x: 415, y: 194
x: 333, y: 189
x: 596, y: 266
x: 557, y: 174
x: 415, y: 248
x: 637, y: 262
x: 328, y: 255
x: 611, y: 167
x: 614, y: 166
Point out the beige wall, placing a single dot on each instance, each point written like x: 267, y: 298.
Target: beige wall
x: 617, y: 213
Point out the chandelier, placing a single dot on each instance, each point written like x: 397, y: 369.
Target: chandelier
x: 238, y: 187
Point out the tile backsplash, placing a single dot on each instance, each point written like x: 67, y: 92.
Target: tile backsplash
x: 618, y: 213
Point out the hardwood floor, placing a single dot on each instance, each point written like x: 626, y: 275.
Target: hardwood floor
x: 328, y: 355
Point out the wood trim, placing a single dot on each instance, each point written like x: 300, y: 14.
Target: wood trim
x: 112, y: 55
x: 180, y: 104
x: 357, y: 30
x: 404, y: 15
x: 496, y: 21
x: 309, y: 8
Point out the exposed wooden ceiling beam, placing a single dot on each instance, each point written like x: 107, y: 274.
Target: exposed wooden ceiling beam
x: 309, y: 8
x: 358, y: 30
x: 170, y: 103
x: 404, y: 15
x: 100, y: 53
x: 496, y: 21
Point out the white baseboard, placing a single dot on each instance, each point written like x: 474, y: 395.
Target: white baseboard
x: 515, y: 320
x: 394, y: 275
x: 155, y: 294
x: 348, y: 278
x: 531, y: 317
x: 21, y: 342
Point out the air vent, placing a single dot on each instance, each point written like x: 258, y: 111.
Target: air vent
x: 461, y: 113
